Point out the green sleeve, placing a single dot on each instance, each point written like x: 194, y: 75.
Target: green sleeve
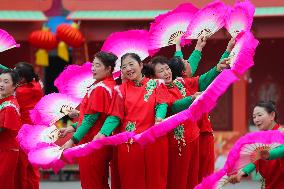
x: 161, y: 110
x: 194, y: 60
x: 224, y: 55
x: 3, y: 67
x: 74, y: 125
x: 109, y: 125
x: 276, y: 152
x: 178, y: 54
x: 181, y: 104
x: 87, y: 123
x: 2, y: 129
x: 206, y: 79
x: 249, y: 168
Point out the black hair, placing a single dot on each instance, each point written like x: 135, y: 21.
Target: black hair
x: 14, y: 75
x: 269, y: 106
x: 108, y: 59
x: 149, y: 69
x: 26, y: 71
x: 132, y: 55
x: 177, y: 67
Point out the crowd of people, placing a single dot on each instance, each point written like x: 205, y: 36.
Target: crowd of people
x: 149, y: 92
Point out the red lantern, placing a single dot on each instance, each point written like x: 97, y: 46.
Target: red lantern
x: 70, y: 35
x: 43, y: 39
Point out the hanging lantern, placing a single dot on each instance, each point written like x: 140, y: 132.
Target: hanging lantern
x: 69, y: 35
x: 44, y: 40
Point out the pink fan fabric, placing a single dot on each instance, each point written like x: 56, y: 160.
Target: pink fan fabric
x: 240, y: 17
x: 7, y: 41
x: 46, y: 156
x: 131, y: 41
x: 49, y: 155
x: 31, y: 135
x: 213, y: 181
x: 52, y: 107
x: 75, y: 80
x: 206, y: 21
x: 203, y: 104
x: 87, y: 148
x: 167, y: 27
x: 239, y: 157
x: 241, y: 56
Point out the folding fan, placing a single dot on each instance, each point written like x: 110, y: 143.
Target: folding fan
x: 52, y: 107
x: 206, y: 21
x: 30, y: 135
x: 247, y: 149
x: 167, y: 27
x: 216, y: 180
x: 7, y: 41
x: 49, y: 155
x: 75, y: 80
x: 131, y: 41
x: 241, y: 56
x: 46, y: 156
x: 203, y: 104
x: 240, y: 18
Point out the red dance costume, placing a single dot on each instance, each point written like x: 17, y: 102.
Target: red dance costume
x: 28, y: 95
x: 10, y: 124
x: 140, y: 167
x: 206, y: 148
x: 94, y: 167
x: 183, y: 141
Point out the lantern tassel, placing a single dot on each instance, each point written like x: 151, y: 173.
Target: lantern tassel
x: 62, y: 51
x: 41, y: 57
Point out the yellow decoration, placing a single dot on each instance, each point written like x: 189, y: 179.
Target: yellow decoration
x: 41, y: 57
x: 62, y: 51
x: 75, y: 25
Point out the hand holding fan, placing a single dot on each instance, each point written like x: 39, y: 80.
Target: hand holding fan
x: 247, y: 149
x: 7, y: 41
x: 52, y: 107
x: 75, y: 80
x: 241, y: 56
x: 206, y: 21
x: 168, y: 27
x: 131, y: 41
x: 240, y: 18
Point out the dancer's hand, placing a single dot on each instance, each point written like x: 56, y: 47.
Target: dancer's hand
x: 264, y: 154
x: 231, y: 44
x: 236, y: 178
x: 201, y: 42
x: 196, y: 95
x: 158, y: 120
x: 63, y: 131
x: 99, y: 136
x: 67, y: 145
x: 178, y: 40
x: 224, y: 64
x: 73, y: 113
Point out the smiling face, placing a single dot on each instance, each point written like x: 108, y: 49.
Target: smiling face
x: 100, y: 71
x: 7, y: 87
x: 163, y: 71
x: 131, y: 69
x: 262, y: 119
